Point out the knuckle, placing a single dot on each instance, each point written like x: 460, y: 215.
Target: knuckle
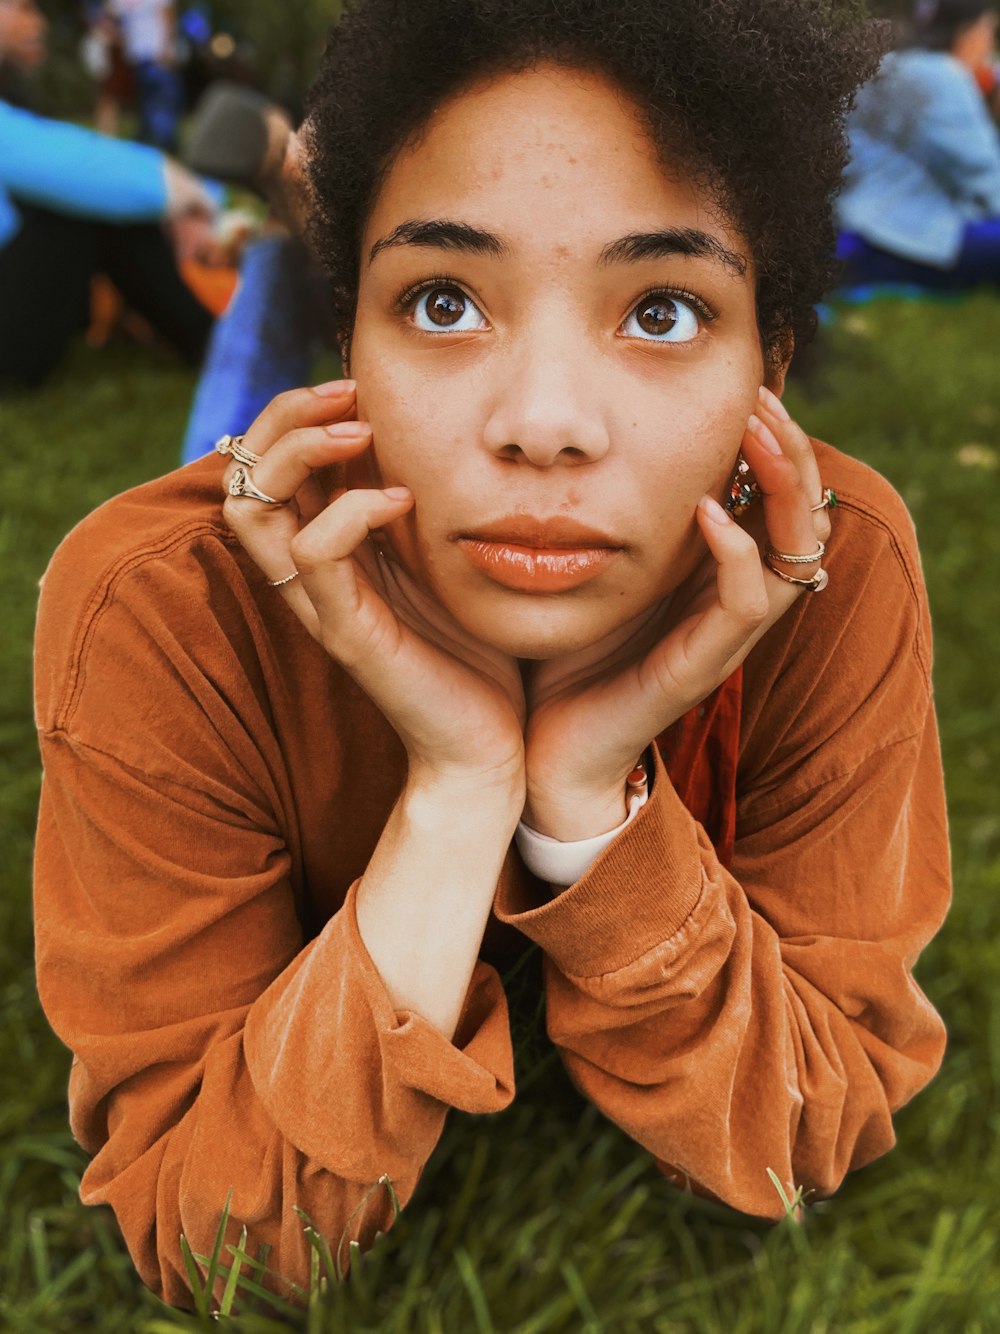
x: 306, y: 551
x: 756, y: 610
x: 289, y: 403
x: 308, y: 443
x: 793, y: 480
x: 282, y: 412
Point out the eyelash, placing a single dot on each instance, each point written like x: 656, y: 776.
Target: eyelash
x: 408, y: 298
x: 701, y: 307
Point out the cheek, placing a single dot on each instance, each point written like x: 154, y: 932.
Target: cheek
x: 689, y: 444
x: 416, y: 427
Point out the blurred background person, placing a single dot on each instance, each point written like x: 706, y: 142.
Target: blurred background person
x: 149, y: 35
x: 103, y: 53
x: 74, y: 203
x: 921, y: 201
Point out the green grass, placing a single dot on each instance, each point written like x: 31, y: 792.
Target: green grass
x: 547, y: 1219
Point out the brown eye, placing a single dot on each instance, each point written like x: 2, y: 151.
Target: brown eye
x: 663, y: 318
x: 657, y: 317
x: 445, y: 306
x: 444, y: 309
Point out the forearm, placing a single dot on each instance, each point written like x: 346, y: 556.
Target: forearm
x: 232, y: 1057
x: 735, y: 1022
x: 226, y: 1148
x: 424, y: 900
x: 70, y: 169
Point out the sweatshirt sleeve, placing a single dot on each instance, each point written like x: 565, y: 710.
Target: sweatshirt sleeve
x: 767, y: 1017
x: 70, y: 169
x: 215, y: 1048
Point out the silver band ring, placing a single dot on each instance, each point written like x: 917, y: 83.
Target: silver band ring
x: 233, y: 446
x: 279, y: 583
x: 242, y: 485
x: 816, y: 584
x: 818, y: 554
x: 829, y: 501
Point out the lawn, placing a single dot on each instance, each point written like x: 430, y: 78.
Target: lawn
x: 546, y: 1218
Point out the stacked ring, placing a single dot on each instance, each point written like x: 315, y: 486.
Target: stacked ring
x: 242, y: 485
x: 816, y: 584
x: 233, y: 446
x: 818, y: 554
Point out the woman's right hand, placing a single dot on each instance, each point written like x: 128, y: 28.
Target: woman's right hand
x: 456, y: 705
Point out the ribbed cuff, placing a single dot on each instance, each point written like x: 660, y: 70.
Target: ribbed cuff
x: 637, y: 894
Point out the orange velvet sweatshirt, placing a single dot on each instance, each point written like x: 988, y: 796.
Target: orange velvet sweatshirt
x: 214, y: 787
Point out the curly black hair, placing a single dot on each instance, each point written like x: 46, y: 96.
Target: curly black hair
x: 749, y: 95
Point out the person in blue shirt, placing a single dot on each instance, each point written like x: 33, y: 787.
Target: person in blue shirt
x: 74, y: 203
x: 921, y: 199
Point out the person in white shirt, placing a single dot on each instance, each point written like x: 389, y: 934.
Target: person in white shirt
x: 148, y: 31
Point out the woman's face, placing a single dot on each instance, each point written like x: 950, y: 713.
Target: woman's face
x: 556, y: 347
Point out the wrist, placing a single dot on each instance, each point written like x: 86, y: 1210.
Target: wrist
x: 571, y: 815
x: 467, y: 798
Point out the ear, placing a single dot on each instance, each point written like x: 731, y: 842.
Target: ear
x: 776, y: 370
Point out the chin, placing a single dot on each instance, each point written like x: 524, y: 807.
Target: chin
x: 540, y: 628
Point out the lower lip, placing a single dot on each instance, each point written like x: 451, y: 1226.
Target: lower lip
x: 537, y: 569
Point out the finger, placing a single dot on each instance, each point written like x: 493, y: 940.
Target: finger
x: 353, y: 619
x: 283, y: 473
x: 267, y: 531
x: 334, y: 401
x: 296, y: 456
x: 743, y: 602
x: 787, y: 515
x: 722, y: 635
x: 797, y: 447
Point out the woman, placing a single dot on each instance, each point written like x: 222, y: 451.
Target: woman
x: 302, y: 752
x: 921, y: 201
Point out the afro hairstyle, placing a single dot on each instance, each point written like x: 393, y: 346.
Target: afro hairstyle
x: 747, y: 96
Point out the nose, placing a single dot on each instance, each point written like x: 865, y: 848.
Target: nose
x: 547, y: 407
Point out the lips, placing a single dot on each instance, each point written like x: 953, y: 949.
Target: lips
x: 532, y: 555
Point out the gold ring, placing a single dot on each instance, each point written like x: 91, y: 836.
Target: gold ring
x: 818, y: 554
x: 829, y: 501
x: 232, y: 445
x: 242, y: 485
x: 278, y: 583
x: 816, y: 584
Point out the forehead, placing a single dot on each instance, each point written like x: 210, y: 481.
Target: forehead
x: 547, y: 152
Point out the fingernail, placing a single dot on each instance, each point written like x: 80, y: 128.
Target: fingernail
x: 772, y: 401
x: 765, y: 435
x: 333, y: 388
x: 714, y: 511
x: 347, y: 430
x: 397, y: 492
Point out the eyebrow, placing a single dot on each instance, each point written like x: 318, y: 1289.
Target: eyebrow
x: 444, y: 235
x: 672, y: 241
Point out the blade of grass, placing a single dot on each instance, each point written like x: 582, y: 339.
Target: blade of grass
x: 470, y: 1281
x: 232, y: 1278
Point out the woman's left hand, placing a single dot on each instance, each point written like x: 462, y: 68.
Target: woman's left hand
x: 592, y: 713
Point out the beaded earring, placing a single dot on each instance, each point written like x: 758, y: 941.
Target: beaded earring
x: 743, y: 490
